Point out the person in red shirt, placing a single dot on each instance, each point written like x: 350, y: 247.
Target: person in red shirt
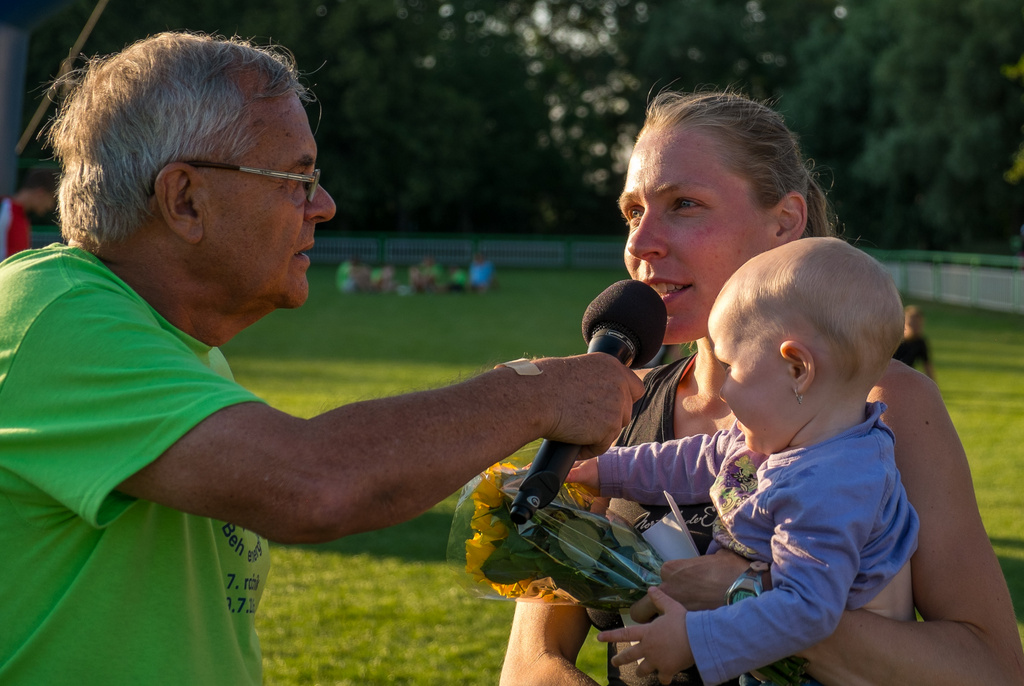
x: 35, y: 196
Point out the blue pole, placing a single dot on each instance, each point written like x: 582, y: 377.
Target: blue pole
x: 17, y: 18
x: 13, y: 58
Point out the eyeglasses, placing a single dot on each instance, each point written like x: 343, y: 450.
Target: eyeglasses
x: 311, y: 182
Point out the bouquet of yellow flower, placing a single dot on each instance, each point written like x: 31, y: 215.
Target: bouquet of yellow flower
x: 565, y: 554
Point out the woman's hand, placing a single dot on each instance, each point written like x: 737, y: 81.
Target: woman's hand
x: 699, y: 583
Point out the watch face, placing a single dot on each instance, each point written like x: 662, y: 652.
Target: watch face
x: 748, y: 585
x: 741, y: 594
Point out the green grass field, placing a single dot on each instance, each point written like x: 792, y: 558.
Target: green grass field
x: 385, y: 607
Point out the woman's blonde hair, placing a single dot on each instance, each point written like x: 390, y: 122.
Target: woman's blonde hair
x: 757, y: 144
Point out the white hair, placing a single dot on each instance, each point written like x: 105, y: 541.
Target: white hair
x: 170, y: 97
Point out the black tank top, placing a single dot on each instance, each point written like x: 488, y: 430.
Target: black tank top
x: 653, y: 421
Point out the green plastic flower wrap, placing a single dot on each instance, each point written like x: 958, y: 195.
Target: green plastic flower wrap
x: 566, y: 554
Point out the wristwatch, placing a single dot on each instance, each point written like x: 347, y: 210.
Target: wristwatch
x: 748, y: 584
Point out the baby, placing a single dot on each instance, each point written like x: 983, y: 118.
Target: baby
x: 805, y: 478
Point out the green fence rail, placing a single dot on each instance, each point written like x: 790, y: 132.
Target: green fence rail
x: 565, y: 252
x: 556, y: 252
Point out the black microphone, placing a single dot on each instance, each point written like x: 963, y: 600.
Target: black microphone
x: 626, y: 321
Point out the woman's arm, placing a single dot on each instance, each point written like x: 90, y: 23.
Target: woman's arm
x: 543, y: 646
x: 969, y: 634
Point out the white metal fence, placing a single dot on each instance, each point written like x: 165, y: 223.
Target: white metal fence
x: 983, y: 281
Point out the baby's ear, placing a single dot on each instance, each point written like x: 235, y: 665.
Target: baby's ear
x: 801, y: 364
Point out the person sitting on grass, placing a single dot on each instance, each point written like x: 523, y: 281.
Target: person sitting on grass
x: 481, y: 274
x: 457, y: 278
x: 427, y: 276
x: 805, y: 480
x: 352, y: 276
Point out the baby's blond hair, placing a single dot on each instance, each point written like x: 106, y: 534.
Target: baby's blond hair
x: 843, y: 293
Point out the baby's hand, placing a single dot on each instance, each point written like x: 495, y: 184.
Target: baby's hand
x: 585, y: 472
x: 663, y: 645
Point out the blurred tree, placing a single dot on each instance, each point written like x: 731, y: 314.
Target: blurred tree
x: 572, y: 60
x: 518, y: 116
x: 920, y: 94
x: 690, y: 44
x: 830, y: 105
x: 1015, y: 174
x: 432, y: 116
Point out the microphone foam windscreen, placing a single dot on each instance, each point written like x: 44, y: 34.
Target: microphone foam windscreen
x: 633, y: 308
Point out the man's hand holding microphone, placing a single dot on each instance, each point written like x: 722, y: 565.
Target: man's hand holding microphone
x: 623, y: 327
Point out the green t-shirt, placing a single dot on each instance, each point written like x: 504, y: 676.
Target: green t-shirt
x: 459, y: 277
x: 101, y: 588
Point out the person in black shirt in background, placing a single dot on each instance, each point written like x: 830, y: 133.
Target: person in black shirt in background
x: 914, y: 347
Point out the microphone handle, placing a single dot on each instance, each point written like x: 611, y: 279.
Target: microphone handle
x: 613, y: 342
x: 550, y: 466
